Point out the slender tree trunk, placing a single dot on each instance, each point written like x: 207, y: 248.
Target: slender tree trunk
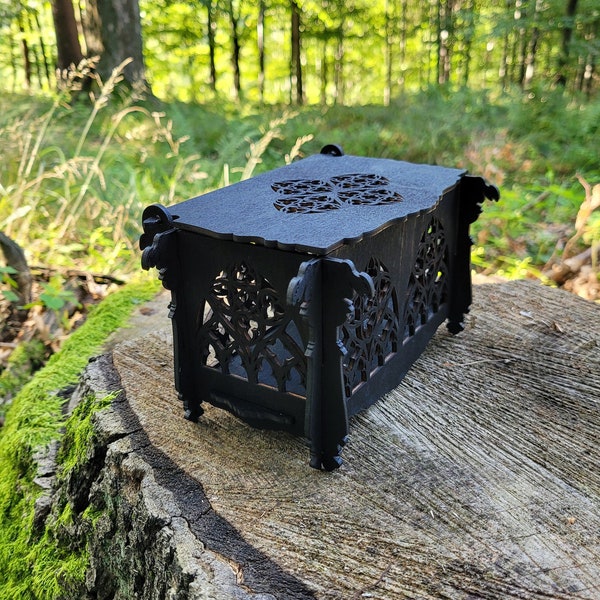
x: 387, y: 91
x: 468, y: 42
x: 403, y: 37
x: 324, y: 72
x: 438, y: 35
x: 532, y: 46
x: 520, y: 17
x: 42, y: 48
x: 36, y: 58
x: 445, y: 34
x: 503, y: 70
x: 211, y: 29
x: 567, y: 34
x: 13, y: 62
x: 588, y: 70
x: 531, y: 55
x: 234, y: 20
x: 297, y: 90
x: 67, y: 38
x: 339, y: 67
x: 26, y: 54
x: 260, y: 37
x: 426, y: 75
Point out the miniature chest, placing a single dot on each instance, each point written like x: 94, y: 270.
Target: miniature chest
x: 302, y: 295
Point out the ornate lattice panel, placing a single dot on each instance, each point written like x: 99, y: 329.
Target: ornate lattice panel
x: 244, y: 330
x: 371, y: 334
x: 428, y: 285
x: 316, y: 195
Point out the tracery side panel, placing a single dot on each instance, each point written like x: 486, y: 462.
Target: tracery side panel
x: 244, y: 329
x: 371, y: 335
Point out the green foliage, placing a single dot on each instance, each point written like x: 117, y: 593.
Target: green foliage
x: 6, y: 273
x: 55, y: 297
x: 22, y: 363
x: 33, y: 564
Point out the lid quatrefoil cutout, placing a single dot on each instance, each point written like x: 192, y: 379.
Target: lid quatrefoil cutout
x: 317, y: 195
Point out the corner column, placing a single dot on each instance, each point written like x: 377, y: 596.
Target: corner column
x: 323, y: 289
x: 472, y: 192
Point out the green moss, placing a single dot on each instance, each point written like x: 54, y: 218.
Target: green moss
x: 43, y: 565
x: 24, y: 360
x: 79, y: 429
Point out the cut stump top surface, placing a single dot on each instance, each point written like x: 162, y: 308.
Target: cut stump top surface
x: 477, y: 477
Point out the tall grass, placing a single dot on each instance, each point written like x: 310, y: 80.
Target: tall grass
x: 79, y: 172
x: 74, y: 178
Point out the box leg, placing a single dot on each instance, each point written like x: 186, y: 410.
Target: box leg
x: 324, y: 288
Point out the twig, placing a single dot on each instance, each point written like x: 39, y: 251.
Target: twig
x: 8, y: 345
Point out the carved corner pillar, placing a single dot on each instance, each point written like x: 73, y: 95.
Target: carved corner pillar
x: 473, y: 192
x: 157, y: 244
x: 323, y: 290
x: 159, y: 249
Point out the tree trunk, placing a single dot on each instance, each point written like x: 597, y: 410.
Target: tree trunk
x: 403, y: 38
x: 521, y: 44
x: 324, y: 72
x: 592, y: 58
x: 67, y: 39
x: 26, y: 55
x: 468, y: 43
x: 503, y: 70
x: 42, y: 48
x: 114, y: 30
x: 567, y: 34
x: 92, y: 29
x: 387, y: 91
x: 15, y: 257
x: 36, y: 58
x: 389, y: 45
x: 211, y: 27
x: 297, y: 90
x: 338, y: 74
x: 429, y: 12
x: 234, y: 19
x: 531, y: 54
x: 532, y: 46
x: 444, y: 19
x: 260, y: 38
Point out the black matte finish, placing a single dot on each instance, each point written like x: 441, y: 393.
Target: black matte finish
x: 302, y: 295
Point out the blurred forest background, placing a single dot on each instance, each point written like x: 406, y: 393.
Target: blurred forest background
x: 109, y: 105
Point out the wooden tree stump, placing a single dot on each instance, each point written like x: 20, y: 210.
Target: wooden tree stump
x: 478, y: 477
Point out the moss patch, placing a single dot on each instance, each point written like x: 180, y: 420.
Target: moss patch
x: 79, y: 431
x: 38, y: 565
x: 24, y: 361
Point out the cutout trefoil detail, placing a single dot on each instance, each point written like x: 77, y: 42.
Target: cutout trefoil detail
x: 316, y: 195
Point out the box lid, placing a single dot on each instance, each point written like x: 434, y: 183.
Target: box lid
x: 319, y: 203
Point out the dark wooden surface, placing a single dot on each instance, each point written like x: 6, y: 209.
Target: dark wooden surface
x: 478, y: 477
x: 246, y: 211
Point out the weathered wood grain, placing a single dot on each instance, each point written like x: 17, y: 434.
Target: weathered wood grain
x: 478, y: 477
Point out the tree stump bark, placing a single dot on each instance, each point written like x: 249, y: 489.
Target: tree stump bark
x: 476, y: 478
